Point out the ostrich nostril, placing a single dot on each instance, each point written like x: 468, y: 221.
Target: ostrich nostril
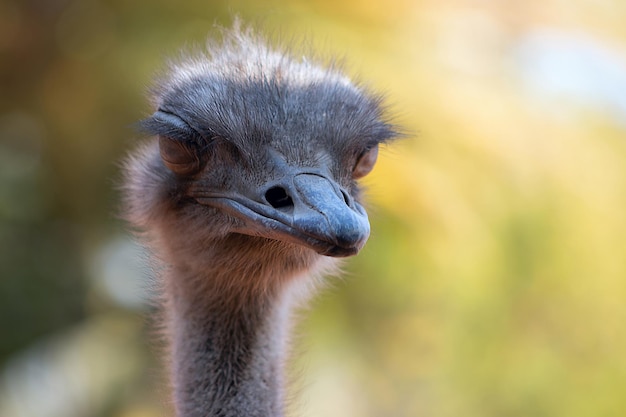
x: 278, y: 198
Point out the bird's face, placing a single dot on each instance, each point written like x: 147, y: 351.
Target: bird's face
x: 280, y: 162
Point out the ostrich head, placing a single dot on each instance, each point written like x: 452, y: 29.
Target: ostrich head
x: 256, y: 150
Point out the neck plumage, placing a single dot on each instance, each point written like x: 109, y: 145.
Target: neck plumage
x: 228, y: 328
x: 226, y: 359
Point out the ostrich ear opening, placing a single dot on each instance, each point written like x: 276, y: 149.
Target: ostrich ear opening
x: 179, y: 157
x: 366, y: 163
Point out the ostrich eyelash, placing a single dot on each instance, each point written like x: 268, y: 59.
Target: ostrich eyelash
x: 171, y: 125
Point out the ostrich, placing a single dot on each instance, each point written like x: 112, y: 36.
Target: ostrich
x: 246, y: 194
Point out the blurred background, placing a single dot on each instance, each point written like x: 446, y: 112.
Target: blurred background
x: 494, y: 282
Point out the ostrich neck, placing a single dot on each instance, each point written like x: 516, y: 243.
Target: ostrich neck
x: 226, y: 344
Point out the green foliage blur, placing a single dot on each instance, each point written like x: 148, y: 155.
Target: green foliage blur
x: 494, y: 282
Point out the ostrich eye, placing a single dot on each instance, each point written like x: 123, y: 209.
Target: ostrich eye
x: 366, y: 162
x: 180, y: 157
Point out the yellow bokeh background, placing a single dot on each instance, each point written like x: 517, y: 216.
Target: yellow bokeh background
x: 494, y: 281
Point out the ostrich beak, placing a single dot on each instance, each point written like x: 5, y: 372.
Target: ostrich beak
x: 310, y: 210
x: 325, y: 212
